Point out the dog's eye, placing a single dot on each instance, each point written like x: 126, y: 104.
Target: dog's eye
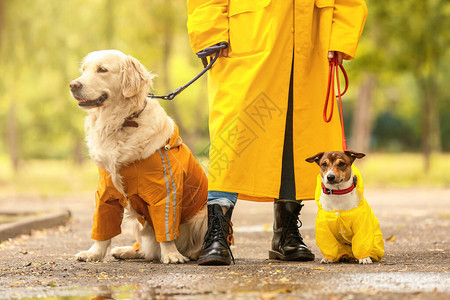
x: 102, y: 70
x: 341, y: 164
x: 324, y: 165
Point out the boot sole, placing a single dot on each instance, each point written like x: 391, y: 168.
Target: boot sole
x: 293, y: 257
x: 213, y: 261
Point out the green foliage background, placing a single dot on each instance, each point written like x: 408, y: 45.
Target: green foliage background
x: 405, y: 47
x: 43, y: 43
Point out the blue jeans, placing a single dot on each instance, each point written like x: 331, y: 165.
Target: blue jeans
x: 222, y: 198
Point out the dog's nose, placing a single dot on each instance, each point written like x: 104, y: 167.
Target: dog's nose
x: 75, y: 86
x: 331, y: 177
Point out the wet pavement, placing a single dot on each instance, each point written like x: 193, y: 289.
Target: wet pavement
x: 415, y: 224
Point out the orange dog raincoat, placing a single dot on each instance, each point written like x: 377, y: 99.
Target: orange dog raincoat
x: 166, y: 189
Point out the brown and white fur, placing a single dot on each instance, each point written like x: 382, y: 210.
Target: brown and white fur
x: 337, y: 174
x: 112, y: 87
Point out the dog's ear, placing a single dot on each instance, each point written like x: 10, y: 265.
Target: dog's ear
x: 354, y: 155
x: 133, y: 77
x: 316, y: 158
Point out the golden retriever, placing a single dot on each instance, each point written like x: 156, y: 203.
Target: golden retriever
x: 124, y: 129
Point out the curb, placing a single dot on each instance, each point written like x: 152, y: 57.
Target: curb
x: 26, y: 225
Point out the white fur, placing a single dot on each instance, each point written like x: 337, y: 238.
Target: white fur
x: 339, y: 202
x: 126, y: 252
x: 95, y: 253
x: 326, y: 261
x: 112, y: 146
x: 365, y: 261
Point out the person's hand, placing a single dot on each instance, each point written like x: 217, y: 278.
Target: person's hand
x: 340, y: 56
x: 224, y: 52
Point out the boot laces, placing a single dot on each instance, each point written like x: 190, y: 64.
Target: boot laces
x: 215, y: 233
x: 292, y: 233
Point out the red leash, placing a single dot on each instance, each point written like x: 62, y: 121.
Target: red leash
x: 334, y: 70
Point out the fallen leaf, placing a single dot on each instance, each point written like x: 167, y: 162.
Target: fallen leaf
x: 320, y: 269
x: 391, y: 238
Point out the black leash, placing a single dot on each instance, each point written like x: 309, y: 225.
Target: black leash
x: 203, y: 56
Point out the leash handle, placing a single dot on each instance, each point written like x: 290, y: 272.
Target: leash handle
x: 203, y: 56
x: 334, y: 71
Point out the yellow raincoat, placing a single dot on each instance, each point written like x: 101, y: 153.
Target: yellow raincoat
x: 248, y: 90
x: 354, y: 233
x: 166, y: 189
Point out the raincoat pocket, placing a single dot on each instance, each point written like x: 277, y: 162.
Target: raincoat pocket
x: 248, y: 23
x: 324, y: 3
x: 243, y: 6
x: 324, y: 14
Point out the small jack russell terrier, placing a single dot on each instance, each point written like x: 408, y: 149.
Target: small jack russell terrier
x: 346, y: 227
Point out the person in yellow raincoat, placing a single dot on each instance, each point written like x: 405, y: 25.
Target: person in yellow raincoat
x: 266, y: 95
x: 351, y: 233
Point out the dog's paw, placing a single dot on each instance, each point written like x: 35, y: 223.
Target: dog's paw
x: 365, y: 260
x: 127, y: 252
x: 326, y: 261
x: 89, y: 256
x: 174, y: 258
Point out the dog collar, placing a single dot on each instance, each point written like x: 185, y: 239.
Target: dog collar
x: 327, y: 191
x: 129, y: 120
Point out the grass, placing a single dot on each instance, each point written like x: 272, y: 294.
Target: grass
x: 47, y: 178
x: 404, y: 170
x: 57, y: 178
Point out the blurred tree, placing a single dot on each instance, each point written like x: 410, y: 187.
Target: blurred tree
x: 41, y: 45
x: 399, y: 76
x: 404, y: 37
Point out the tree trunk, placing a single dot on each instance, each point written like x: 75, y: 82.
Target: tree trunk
x: 2, y: 19
x: 109, y: 22
x: 13, y: 144
x: 362, y: 117
x: 430, y: 119
x: 77, y: 152
x: 166, y: 74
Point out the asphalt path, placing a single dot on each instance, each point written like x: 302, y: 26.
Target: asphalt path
x: 415, y: 224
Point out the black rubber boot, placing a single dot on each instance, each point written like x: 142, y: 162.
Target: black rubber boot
x: 216, y: 246
x: 287, y: 243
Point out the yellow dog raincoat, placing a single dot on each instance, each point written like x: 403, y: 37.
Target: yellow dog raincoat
x: 354, y: 233
x: 166, y: 189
